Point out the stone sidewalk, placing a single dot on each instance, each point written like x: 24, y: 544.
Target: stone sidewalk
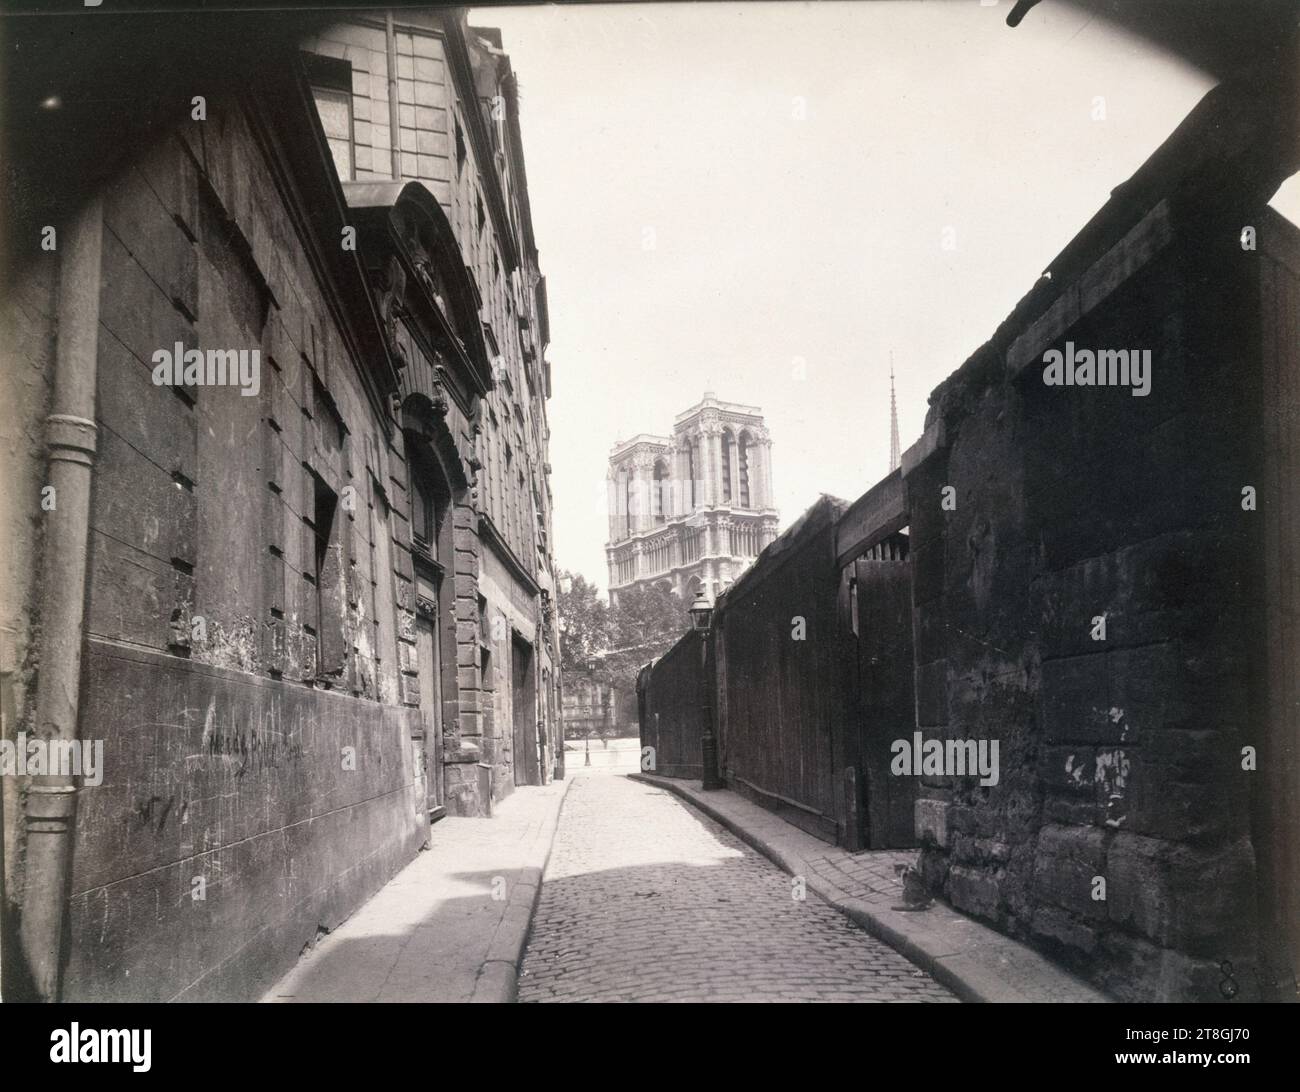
x: 975, y: 962
x: 451, y: 926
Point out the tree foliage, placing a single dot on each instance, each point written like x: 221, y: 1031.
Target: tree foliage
x: 611, y: 644
x: 647, y: 622
x: 585, y: 622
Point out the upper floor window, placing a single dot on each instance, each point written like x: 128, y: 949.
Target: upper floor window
x: 335, y: 109
x: 430, y: 498
x: 331, y: 88
x: 327, y: 576
x: 422, y: 517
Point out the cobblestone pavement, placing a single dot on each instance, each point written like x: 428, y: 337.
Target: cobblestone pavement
x: 645, y: 899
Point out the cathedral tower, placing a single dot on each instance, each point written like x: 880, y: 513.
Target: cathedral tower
x: 691, y: 510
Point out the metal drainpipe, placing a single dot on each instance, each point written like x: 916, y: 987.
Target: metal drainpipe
x: 70, y: 438
x: 394, y: 122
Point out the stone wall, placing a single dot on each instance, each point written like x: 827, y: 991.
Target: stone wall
x: 259, y: 777
x: 1118, y: 837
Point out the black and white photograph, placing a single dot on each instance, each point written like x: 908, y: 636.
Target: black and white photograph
x: 669, y: 502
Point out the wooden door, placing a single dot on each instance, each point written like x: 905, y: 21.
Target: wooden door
x: 886, y: 709
x: 524, y: 713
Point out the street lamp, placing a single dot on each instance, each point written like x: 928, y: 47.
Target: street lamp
x: 701, y: 613
x: 702, y: 623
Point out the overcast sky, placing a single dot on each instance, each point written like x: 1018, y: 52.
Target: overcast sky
x: 720, y: 190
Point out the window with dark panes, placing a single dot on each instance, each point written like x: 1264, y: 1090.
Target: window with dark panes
x: 331, y: 641
x: 422, y: 518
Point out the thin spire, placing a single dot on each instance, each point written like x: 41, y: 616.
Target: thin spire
x: 895, y: 460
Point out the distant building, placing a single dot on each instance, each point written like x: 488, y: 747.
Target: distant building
x: 692, y: 510
x: 593, y: 709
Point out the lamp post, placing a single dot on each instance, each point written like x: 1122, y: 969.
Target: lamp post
x: 702, y: 623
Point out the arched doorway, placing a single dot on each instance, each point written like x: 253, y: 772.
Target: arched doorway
x: 432, y: 554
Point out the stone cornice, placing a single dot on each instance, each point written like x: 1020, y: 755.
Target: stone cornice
x: 643, y: 441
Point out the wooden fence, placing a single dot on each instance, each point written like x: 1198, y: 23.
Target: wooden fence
x: 813, y: 677
x: 671, y: 700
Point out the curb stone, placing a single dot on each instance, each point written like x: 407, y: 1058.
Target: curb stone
x: 498, y: 978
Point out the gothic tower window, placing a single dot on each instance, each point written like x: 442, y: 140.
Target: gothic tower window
x: 660, y: 489
x: 690, y: 471
x: 627, y: 503
x: 727, y: 441
x: 743, y: 449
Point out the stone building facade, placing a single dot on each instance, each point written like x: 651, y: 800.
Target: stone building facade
x: 690, y: 511
x: 437, y: 115
x: 301, y: 613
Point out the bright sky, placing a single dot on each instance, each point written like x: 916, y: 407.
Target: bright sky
x: 719, y: 190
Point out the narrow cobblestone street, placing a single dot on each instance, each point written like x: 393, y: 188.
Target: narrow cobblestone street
x: 645, y: 899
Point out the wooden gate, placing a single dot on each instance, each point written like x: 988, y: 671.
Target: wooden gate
x: 885, y: 709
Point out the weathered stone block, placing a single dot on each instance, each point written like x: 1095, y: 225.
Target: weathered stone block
x: 1162, y: 806
x: 1068, y: 773
x: 1075, y: 701
x: 275, y: 644
x: 133, y: 213
x: 1144, y: 690
x: 273, y: 581
x: 975, y: 892
x: 1064, y: 934
x: 467, y: 653
x: 1066, y: 862
x: 931, y: 818
x: 408, y: 656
